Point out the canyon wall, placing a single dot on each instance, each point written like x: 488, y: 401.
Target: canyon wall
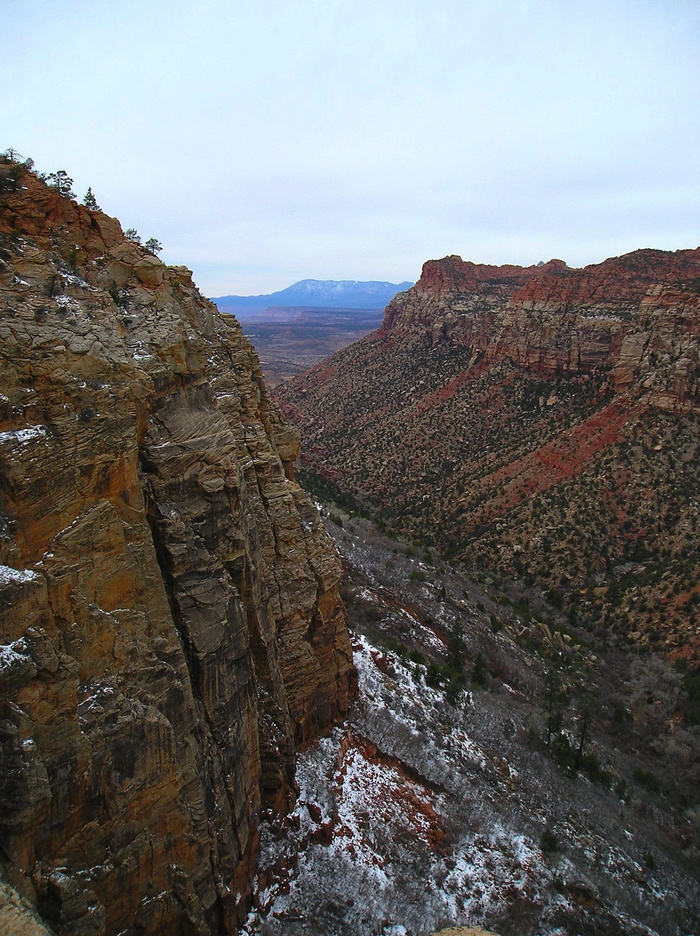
x: 554, y: 320
x: 169, y: 612
x: 538, y: 424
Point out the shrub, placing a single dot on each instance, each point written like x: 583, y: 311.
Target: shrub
x: 647, y: 779
x: 10, y: 177
x: 119, y: 296
x: 396, y: 646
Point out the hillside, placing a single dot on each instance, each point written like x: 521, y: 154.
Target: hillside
x: 538, y: 425
x: 495, y: 772
x: 170, y: 620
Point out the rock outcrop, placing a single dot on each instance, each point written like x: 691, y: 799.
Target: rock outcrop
x: 169, y: 611
x: 535, y: 422
x: 554, y: 320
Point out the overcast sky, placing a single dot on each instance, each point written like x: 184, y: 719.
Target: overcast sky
x: 267, y: 141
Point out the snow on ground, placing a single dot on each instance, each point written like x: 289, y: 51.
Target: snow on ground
x: 366, y: 849
x: 10, y: 576
x: 406, y: 823
x: 23, y: 436
x: 13, y: 656
x: 416, y: 814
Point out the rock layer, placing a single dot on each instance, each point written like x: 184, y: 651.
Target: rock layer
x: 538, y: 422
x: 169, y: 610
x: 554, y: 320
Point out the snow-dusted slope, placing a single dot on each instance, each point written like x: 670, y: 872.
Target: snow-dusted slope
x: 417, y: 814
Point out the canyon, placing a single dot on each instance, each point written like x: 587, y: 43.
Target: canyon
x: 290, y: 340
x: 170, y: 622
x: 531, y: 437
x: 441, y: 800
x: 538, y: 424
x: 454, y: 686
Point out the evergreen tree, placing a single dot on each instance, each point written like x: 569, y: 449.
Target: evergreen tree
x: 61, y: 182
x: 555, y: 704
x: 153, y: 245
x: 10, y: 177
x: 457, y: 648
x: 90, y: 201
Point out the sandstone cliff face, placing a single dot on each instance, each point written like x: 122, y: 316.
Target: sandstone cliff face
x: 169, y: 611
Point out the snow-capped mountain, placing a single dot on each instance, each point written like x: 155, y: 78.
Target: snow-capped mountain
x: 330, y: 294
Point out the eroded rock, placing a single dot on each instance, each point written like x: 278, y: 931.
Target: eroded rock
x: 169, y: 612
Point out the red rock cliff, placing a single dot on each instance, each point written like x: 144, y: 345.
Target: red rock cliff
x: 555, y: 320
x: 169, y: 612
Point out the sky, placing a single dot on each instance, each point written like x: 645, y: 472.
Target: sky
x: 267, y: 142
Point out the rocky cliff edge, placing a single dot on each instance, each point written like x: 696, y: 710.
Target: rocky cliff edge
x: 637, y: 315
x: 170, y: 625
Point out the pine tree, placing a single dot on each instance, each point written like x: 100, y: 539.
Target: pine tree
x: 61, y: 182
x: 555, y: 705
x: 90, y: 201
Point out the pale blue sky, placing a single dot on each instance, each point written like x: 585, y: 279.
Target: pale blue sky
x: 266, y: 142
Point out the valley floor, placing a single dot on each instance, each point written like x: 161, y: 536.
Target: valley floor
x: 439, y: 802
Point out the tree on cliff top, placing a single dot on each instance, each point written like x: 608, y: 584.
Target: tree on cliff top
x: 90, y: 201
x: 61, y: 182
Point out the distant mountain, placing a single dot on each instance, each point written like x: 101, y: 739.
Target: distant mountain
x: 328, y: 294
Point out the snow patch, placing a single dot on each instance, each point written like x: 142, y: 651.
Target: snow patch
x: 23, y: 436
x: 10, y: 576
x: 13, y: 654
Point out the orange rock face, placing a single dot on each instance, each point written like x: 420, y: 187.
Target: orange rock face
x: 550, y: 318
x: 169, y: 613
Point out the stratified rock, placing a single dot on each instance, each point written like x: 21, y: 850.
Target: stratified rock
x: 538, y: 423
x: 169, y: 611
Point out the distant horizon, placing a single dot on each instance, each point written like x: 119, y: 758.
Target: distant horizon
x: 264, y: 144
x: 412, y: 282
x: 279, y: 283
x: 312, y: 279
